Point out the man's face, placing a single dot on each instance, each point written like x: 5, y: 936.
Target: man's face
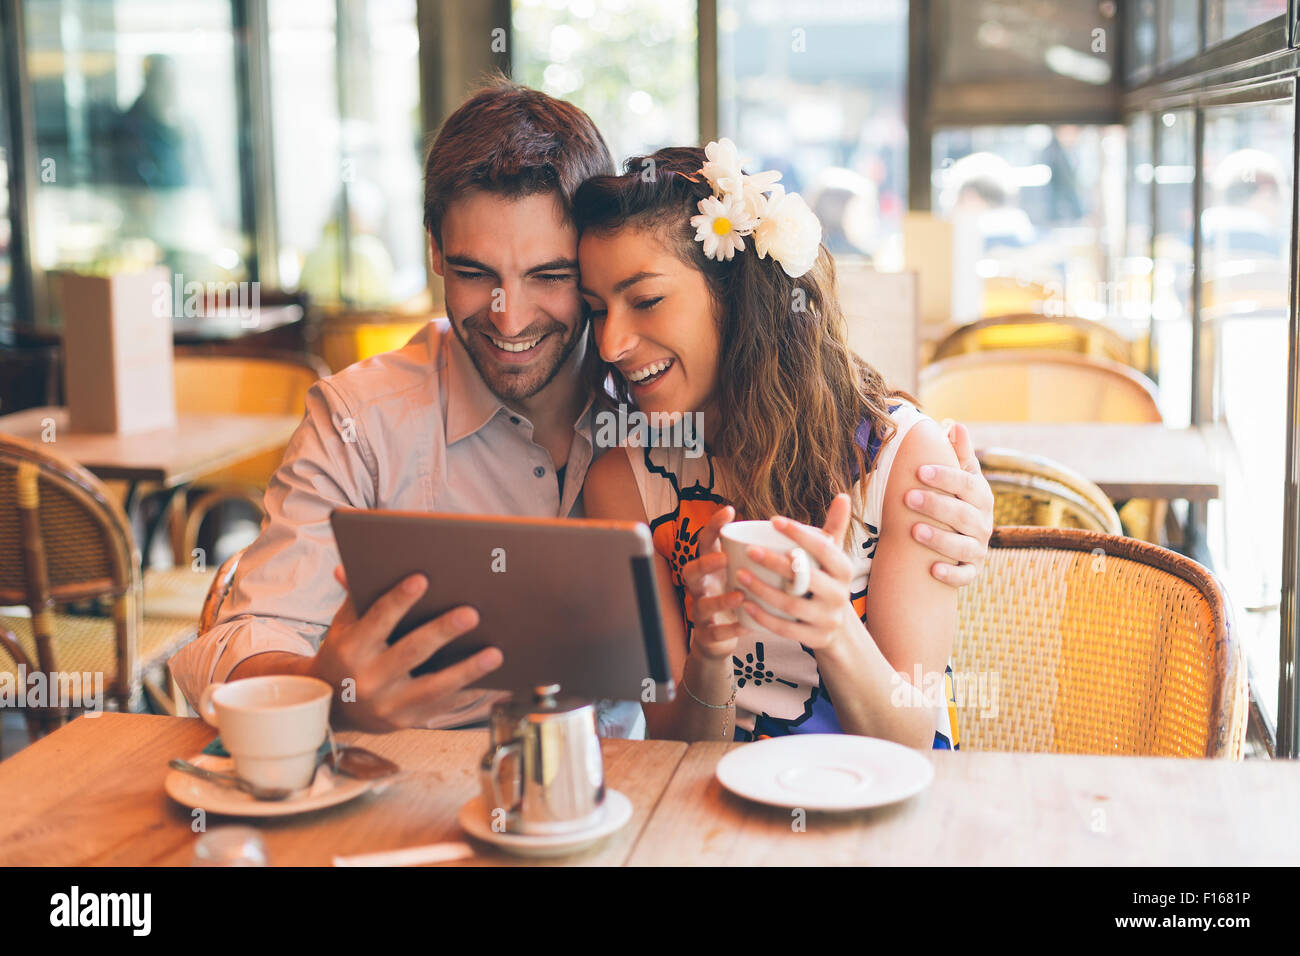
x: 510, y: 271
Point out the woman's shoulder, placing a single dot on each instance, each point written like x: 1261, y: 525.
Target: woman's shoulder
x: 915, y: 439
x: 924, y: 442
x: 876, y: 436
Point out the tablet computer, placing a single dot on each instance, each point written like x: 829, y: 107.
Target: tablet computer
x: 568, y: 601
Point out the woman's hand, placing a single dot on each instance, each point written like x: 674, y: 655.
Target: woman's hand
x: 716, y: 630
x: 823, y: 615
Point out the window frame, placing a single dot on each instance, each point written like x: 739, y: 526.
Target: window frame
x: 1259, y: 66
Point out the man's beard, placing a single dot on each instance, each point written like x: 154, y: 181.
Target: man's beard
x: 515, y: 383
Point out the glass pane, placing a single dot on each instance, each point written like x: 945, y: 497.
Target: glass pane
x: 1045, y: 206
x: 136, y: 137
x: 1227, y: 18
x: 1142, y: 37
x: 6, y: 253
x: 368, y: 164
x: 798, y: 95
x: 632, y: 67
x: 1133, y: 268
x: 1175, y: 179
x: 1246, y: 235
x: 1051, y: 40
x: 1182, y: 30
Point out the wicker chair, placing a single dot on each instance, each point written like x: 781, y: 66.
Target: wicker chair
x: 1077, y: 642
x: 1032, y: 331
x: 1005, y: 294
x: 250, y: 383
x: 64, y: 541
x: 1034, y: 385
x: 1029, y: 490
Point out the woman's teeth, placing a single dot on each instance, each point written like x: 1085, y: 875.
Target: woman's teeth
x: 516, y: 346
x: 646, y: 373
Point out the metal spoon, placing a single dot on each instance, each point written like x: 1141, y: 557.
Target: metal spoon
x: 361, y: 764
x: 230, y: 780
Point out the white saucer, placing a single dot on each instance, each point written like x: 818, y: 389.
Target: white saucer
x: 825, y: 772
x: 474, y: 819
x: 326, y: 790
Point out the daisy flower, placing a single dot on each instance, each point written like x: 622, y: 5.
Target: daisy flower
x: 720, y: 225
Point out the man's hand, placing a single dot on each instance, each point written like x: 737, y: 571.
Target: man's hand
x: 965, y: 504
x: 384, y: 696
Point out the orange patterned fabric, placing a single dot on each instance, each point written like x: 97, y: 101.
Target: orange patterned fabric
x: 780, y: 690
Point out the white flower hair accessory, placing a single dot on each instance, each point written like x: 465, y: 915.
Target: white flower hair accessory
x: 781, y: 223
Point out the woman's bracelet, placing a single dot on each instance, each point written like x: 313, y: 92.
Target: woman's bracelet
x: 704, y: 703
x: 726, y: 720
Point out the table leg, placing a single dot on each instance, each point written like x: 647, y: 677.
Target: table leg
x: 152, y: 525
x: 1194, y: 537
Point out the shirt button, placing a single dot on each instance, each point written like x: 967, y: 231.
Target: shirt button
x: 539, y: 471
x: 514, y: 419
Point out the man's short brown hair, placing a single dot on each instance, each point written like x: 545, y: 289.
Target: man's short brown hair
x: 513, y: 140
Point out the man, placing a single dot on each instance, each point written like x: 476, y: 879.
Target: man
x: 486, y: 413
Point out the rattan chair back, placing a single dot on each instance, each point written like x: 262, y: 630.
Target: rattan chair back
x: 1030, y: 490
x: 63, y: 539
x: 1076, y: 642
x: 1032, y: 331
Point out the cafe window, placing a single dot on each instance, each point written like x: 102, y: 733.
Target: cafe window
x: 796, y: 94
x: 1174, y: 179
x: 632, y: 67
x: 137, y: 137
x: 345, y: 105
x: 6, y: 230
x: 1182, y: 19
x: 1225, y: 19
x: 1142, y: 22
x: 1133, y: 268
x: 1246, y: 229
x: 1039, y: 204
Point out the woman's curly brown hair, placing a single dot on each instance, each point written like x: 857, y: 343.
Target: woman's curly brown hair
x: 791, y: 393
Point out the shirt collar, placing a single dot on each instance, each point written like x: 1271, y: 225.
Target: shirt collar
x: 470, y: 403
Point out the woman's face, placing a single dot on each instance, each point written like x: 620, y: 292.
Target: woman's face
x: 652, y: 319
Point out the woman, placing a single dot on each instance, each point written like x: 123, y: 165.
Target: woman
x: 710, y: 293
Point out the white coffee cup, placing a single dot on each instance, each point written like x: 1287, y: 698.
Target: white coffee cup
x: 271, y: 726
x: 738, y: 537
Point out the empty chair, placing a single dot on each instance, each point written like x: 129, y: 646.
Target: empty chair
x: 1031, y: 490
x: 1035, y: 385
x: 214, y: 383
x: 1005, y: 295
x: 1031, y: 331
x: 68, y: 555
x: 1075, y: 642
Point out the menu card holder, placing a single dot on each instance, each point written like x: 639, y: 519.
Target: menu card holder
x: 117, y: 352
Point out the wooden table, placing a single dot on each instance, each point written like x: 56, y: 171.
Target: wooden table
x: 91, y: 794
x: 1127, y: 461
x: 197, y: 445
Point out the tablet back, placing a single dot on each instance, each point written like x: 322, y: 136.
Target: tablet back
x: 568, y: 602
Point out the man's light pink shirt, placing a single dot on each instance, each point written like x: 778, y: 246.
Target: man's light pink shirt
x: 414, y: 429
